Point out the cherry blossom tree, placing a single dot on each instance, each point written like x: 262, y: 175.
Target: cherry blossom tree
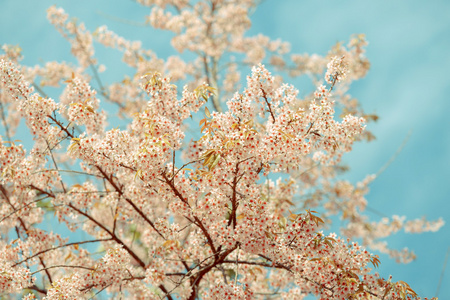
x: 189, y: 202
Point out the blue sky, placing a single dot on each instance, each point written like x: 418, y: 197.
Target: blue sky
x: 407, y: 86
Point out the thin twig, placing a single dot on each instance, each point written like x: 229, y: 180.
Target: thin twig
x: 442, y: 273
x: 396, y: 154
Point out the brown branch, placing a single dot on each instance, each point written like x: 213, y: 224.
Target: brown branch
x: 58, y: 247
x: 62, y: 266
x: 234, y: 204
x: 188, y: 273
x: 288, y: 268
x: 111, y: 181
x: 268, y: 104
x: 22, y: 223
x: 186, y: 164
x: 197, y: 220
x: 37, y: 289
x: 196, y: 281
x: 213, y: 83
x: 129, y: 201
x: 113, y: 236
x: 20, y: 208
x: 8, y: 136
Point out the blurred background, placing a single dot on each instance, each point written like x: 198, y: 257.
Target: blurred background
x: 407, y: 86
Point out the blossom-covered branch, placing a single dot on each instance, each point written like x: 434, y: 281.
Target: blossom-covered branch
x: 236, y: 211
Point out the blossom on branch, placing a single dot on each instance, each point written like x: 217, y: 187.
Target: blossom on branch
x: 235, y: 207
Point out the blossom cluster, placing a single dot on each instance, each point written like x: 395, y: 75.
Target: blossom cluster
x: 79, y: 37
x: 83, y: 104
